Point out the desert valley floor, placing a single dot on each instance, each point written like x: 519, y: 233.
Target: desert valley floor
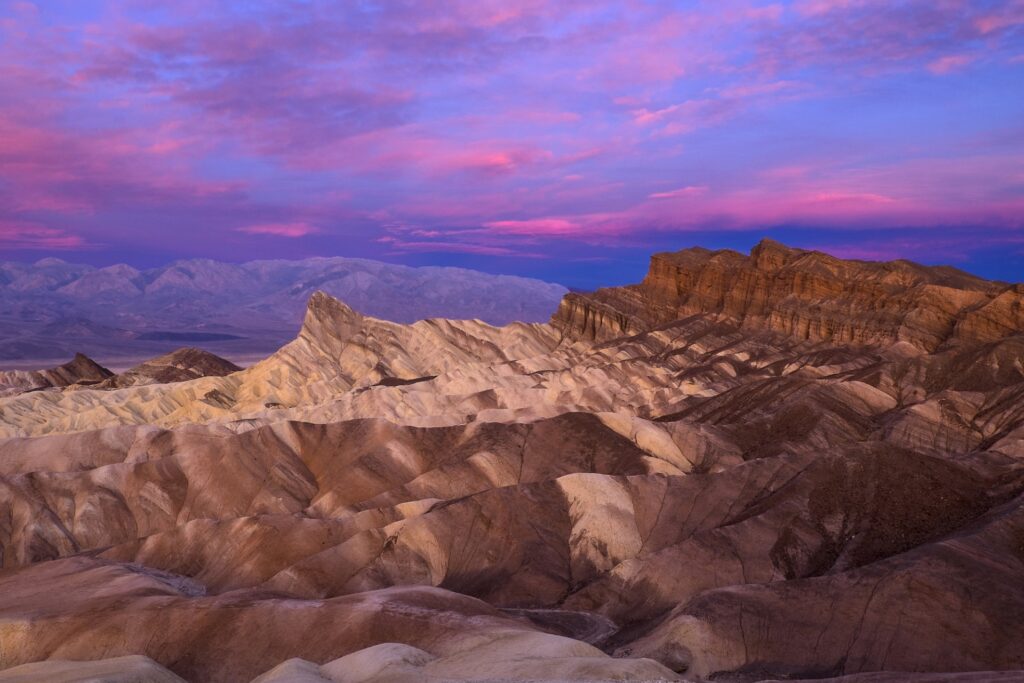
x: 755, y: 467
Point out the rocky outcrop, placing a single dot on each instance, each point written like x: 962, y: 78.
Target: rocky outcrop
x: 79, y: 370
x: 83, y: 372
x: 602, y: 315
x: 178, y: 366
x: 806, y: 295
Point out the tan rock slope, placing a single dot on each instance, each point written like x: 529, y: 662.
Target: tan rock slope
x: 701, y: 476
x: 79, y: 370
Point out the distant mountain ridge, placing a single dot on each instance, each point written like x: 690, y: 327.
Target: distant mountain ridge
x: 52, y: 309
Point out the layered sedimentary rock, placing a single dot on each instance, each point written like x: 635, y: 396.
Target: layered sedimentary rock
x: 79, y: 370
x: 83, y: 372
x: 806, y: 295
x: 178, y: 366
x: 683, y: 486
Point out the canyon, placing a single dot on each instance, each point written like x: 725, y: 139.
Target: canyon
x: 774, y: 466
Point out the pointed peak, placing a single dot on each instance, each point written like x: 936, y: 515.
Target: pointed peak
x: 769, y: 254
x: 82, y: 360
x: 768, y: 244
x: 321, y: 303
x: 83, y: 367
x: 328, y: 318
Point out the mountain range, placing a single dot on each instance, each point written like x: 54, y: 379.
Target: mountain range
x: 748, y: 467
x: 51, y: 309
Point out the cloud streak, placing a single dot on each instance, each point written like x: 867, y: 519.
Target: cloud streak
x: 31, y: 236
x: 292, y: 230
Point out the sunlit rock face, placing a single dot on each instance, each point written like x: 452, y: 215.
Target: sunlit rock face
x: 775, y: 466
x: 805, y: 295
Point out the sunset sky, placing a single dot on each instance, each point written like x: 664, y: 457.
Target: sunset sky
x: 565, y: 140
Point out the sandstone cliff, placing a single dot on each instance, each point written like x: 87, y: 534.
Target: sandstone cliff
x: 806, y: 295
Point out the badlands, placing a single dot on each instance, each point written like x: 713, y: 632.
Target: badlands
x: 774, y: 466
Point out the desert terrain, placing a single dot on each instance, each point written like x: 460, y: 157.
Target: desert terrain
x: 774, y: 466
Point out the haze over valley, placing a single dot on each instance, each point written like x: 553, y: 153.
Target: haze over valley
x: 51, y: 309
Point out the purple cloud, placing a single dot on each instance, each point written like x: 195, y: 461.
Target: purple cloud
x: 501, y: 129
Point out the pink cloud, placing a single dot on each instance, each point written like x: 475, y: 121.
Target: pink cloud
x: 452, y: 247
x: 788, y: 172
x: 921, y: 192
x: 872, y: 38
x: 950, y: 63
x: 716, y: 106
x: 818, y: 7
x: 47, y: 167
x: 689, y: 191
x: 644, y: 116
x: 823, y: 193
x: 292, y: 230
x: 1012, y: 15
x: 495, y: 162
x: 418, y: 150
x: 749, y: 90
x: 542, y: 116
x: 834, y: 197
x: 537, y: 226
x: 23, y: 235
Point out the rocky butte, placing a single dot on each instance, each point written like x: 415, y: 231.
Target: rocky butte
x: 774, y: 466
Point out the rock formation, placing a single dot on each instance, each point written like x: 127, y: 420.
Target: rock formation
x: 805, y: 295
x: 83, y: 372
x: 178, y: 366
x: 775, y: 466
x: 79, y: 370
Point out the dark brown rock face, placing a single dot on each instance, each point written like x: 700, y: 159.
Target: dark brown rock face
x: 806, y: 295
x: 178, y: 366
x: 83, y: 372
x: 79, y: 370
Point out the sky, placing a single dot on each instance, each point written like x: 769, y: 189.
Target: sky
x: 565, y: 140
